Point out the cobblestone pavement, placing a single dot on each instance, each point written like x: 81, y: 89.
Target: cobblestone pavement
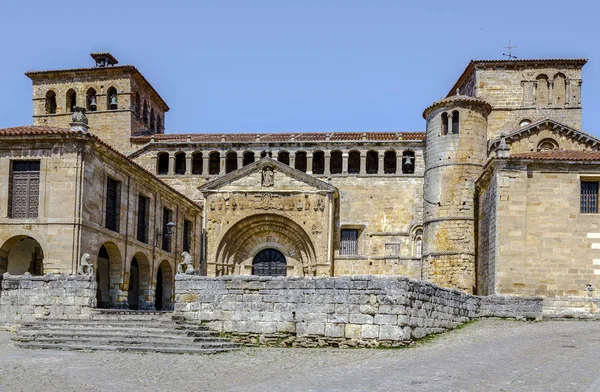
x: 489, y: 355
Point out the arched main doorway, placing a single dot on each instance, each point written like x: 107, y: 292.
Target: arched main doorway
x: 164, y: 287
x: 139, y: 276
x: 269, y: 262
x: 108, y: 276
x: 21, y: 254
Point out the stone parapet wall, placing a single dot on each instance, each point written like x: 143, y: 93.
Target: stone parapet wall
x: 343, y: 311
x: 25, y: 297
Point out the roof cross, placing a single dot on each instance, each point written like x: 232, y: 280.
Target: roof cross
x: 510, y: 48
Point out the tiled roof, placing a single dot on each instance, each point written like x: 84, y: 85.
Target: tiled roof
x: 559, y: 155
x: 36, y: 130
x: 458, y: 98
x: 282, y: 137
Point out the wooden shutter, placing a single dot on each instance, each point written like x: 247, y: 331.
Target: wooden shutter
x: 112, y: 205
x: 187, y: 228
x: 142, y: 229
x: 25, y: 189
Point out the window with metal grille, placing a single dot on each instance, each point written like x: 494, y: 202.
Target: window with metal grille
x: 349, y: 243
x: 112, y: 204
x: 142, y: 228
x: 24, y: 192
x: 187, y: 235
x: 166, y: 239
x: 589, y: 197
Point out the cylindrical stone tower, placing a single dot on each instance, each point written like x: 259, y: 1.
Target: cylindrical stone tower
x: 454, y: 157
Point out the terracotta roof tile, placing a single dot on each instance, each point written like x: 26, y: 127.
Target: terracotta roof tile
x: 559, y: 155
x: 36, y: 130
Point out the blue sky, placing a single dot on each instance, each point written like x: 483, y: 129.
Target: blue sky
x: 292, y: 66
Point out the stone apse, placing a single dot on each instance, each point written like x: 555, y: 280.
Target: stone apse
x: 269, y: 219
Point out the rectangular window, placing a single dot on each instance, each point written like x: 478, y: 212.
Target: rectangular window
x: 112, y: 204
x: 166, y: 240
x: 142, y: 228
x: 24, y: 192
x: 349, y: 243
x: 187, y: 235
x: 589, y: 197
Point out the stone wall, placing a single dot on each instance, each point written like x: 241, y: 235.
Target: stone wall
x: 343, y: 311
x: 25, y: 297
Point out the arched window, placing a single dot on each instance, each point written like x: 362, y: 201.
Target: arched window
x: 408, y: 162
x: 372, y: 162
x: 541, y: 91
x: 301, y: 161
x: 318, y: 164
x: 547, y: 145
x: 524, y: 122
x: 145, y: 113
x: 248, y: 157
x: 71, y: 100
x: 264, y: 153
x: 50, y: 102
x: 159, y: 126
x: 335, y: 164
x: 418, y: 244
x: 389, y: 162
x: 455, y: 122
x: 284, y: 157
x: 231, y: 161
x: 112, y: 101
x: 444, y: 123
x: 214, y: 162
x: 197, y: 163
x: 137, y: 107
x: 559, y: 90
x: 354, y: 162
x: 90, y: 100
x: 180, y: 163
x: 152, y: 120
x: 162, y: 163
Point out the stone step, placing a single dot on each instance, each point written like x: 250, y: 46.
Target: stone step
x: 112, y: 323
x: 130, y: 341
x: 141, y: 349
x: 150, y: 332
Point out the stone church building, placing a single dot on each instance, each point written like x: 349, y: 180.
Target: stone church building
x: 498, y: 196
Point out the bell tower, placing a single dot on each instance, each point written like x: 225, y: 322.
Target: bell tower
x: 119, y: 101
x: 454, y: 157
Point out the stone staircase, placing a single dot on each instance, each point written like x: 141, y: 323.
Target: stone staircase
x: 122, y: 330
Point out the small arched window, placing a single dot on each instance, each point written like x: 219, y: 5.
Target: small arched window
x: 112, y: 101
x: 547, y: 145
x: 389, y: 162
x: 71, y: 100
x: 418, y: 244
x: 444, y: 123
x: 214, y: 163
x: 372, y: 162
x: 541, y: 91
x: 137, y: 107
x: 354, y: 162
x: 455, y: 122
x: 301, y: 161
x: 248, y: 157
x: 162, y: 163
x: 159, y: 126
x: 559, y: 90
x: 50, y: 102
x: 335, y: 165
x: 231, y: 162
x: 408, y: 162
x: 90, y: 100
x: 197, y: 163
x: 318, y: 164
x: 145, y: 113
x: 524, y: 122
x: 152, y: 120
x: 180, y: 163
x: 284, y: 157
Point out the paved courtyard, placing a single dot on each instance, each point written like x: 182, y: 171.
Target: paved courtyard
x: 489, y: 355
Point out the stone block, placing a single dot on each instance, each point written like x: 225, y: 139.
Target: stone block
x: 385, y: 319
x: 369, y: 331
x: 352, y: 331
x: 334, y: 330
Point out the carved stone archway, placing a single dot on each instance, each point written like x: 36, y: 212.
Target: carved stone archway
x: 246, y: 238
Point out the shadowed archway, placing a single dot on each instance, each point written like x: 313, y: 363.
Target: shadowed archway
x: 21, y: 254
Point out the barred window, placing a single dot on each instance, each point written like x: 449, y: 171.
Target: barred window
x: 187, y: 235
x: 589, y: 197
x: 112, y: 204
x: 166, y: 239
x: 349, y: 243
x: 24, y: 193
x: 142, y: 228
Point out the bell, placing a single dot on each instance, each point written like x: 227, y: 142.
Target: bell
x: 408, y: 161
x: 93, y: 102
x: 113, y: 101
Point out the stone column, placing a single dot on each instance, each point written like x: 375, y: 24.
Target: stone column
x: 309, y: 162
x: 155, y: 163
x: 345, y: 162
x: 327, y: 170
x: 568, y: 92
x: 380, y: 157
x: 363, y: 162
x: 205, y: 157
x: 222, y: 157
x: 399, y: 161
x: 550, y: 92
x: 293, y: 159
x: 240, y: 159
x: 188, y: 163
x: 450, y: 123
x: 171, y: 164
